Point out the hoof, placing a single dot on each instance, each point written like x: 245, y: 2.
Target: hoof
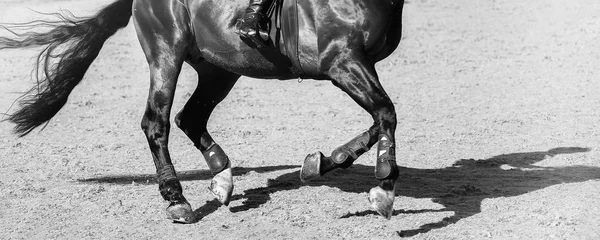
x: 311, y: 168
x: 222, y: 186
x: 180, y: 213
x: 382, y: 201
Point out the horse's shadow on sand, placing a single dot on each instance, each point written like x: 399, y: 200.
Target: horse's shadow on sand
x: 459, y: 188
x: 190, y: 175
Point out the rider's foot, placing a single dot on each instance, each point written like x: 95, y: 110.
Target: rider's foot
x: 247, y: 25
x: 252, y: 24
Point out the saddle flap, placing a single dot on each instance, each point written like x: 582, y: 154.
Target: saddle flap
x: 290, y: 32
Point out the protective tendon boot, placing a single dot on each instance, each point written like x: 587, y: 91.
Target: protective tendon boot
x: 342, y: 156
x: 252, y: 24
x: 386, y: 170
x: 346, y: 154
x: 386, y: 167
x: 221, y: 185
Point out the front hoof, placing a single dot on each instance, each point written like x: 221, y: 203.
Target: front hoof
x: 180, y: 212
x: 311, y: 168
x: 222, y: 186
x: 382, y: 201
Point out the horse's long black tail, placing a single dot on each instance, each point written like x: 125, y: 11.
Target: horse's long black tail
x: 70, y: 47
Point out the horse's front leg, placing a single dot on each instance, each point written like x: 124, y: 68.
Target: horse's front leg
x: 358, y: 78
x: 317, y: 164
x: 213, y: 86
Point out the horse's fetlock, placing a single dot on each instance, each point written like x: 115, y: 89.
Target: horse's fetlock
x: 386, y: 170
x: 386, y: 167
x: 171, y: 190
x: 343, y: 158
x: 346, y: 154
x: 216, y: 159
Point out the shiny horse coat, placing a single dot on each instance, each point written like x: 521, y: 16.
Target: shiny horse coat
x: 328, y: 29
x: 337, y: 40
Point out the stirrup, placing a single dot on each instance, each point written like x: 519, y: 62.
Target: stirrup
x: 259, y: 39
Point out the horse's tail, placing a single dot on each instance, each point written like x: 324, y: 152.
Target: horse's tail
x: 70, y: 47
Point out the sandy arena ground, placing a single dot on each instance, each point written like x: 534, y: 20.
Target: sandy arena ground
x: 498, y: 138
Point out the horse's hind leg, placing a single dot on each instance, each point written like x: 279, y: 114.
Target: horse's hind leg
x: 165, y: 41
x: 213, y: 85
x: 316, y: 164
x: 353, y: 74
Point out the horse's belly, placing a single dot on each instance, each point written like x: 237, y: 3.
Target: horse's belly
x: 264, y: 64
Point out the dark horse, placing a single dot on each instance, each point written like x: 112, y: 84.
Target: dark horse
x: 336, y: 40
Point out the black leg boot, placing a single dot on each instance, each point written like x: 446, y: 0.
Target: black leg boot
x: 250, y: 25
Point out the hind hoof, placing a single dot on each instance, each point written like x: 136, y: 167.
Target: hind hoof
x: 311, y: 168
x: 222, y: 186
x: 180, y: 213
x: 382, y: 201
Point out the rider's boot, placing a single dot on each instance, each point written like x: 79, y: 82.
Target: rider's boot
x: 251, y: 25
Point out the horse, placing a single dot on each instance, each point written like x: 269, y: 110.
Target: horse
x: 326, y: 40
